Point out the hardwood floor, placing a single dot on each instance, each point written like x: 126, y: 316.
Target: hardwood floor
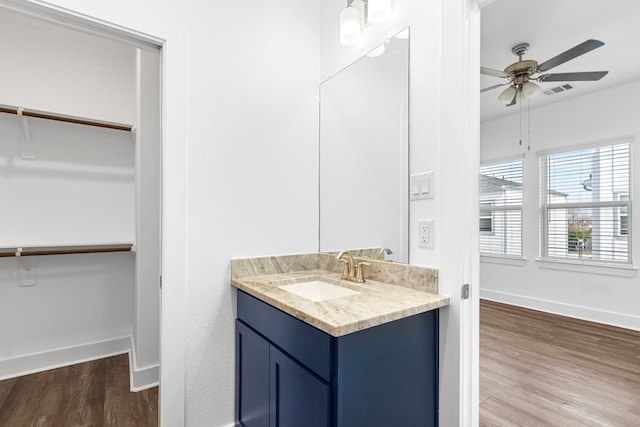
x: 88, y: 394
x: 540, y: 369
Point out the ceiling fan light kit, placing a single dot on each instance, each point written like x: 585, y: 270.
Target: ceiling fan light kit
x: 530, y: 90
x: 520, y: 74
x: 507, y: 95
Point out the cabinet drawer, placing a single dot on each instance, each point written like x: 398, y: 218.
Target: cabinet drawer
x: 310, y: 346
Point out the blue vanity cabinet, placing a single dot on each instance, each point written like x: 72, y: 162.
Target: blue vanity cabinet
x: 273, y: 389
x: 252, y: 377
x: 388, y: 375
x: 297, y: 397
x: 290, y: 374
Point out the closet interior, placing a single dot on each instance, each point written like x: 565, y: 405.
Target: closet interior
x: 80, y: 184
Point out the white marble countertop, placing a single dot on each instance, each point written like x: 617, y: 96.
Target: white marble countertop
x: 376, y: 303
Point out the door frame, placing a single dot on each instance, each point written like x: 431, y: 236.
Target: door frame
x: 470, y: 316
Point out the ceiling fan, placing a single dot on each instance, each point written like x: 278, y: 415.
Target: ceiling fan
x: 520, y: 74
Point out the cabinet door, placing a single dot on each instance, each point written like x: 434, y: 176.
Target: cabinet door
x: 298, y: 398
x: 252, y: 378
x: 387, y: 376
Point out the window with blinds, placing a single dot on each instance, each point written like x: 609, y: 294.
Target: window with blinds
x: 501, y: 208
x: 585, y: 204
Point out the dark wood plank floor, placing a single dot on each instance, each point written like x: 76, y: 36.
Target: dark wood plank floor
x: 88, y: 394
x: 539, y: 369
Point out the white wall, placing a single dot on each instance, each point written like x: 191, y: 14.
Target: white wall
x: 77, y: 300
x: 44, y: 71
x: 604, y: 298
x: 252, y: 177
x: 79, y: 189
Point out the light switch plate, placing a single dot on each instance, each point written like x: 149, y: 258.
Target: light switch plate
x: 422, y: 186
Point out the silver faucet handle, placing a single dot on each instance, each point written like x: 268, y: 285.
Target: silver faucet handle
x: 359, y: 271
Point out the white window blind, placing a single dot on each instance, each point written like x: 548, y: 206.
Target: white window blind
x: 501, y: 208
x: 585, y: 204
x: 622, y: 227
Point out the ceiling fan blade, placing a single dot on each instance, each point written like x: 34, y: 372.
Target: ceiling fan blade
x: 574, y: 52
x: 494, y: 73
x: 494, y: 87
x: 586, y: 76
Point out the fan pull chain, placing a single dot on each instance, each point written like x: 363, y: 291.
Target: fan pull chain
x: 520, y: 109
x: 528, y: 126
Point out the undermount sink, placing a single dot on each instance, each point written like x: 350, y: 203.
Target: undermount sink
x: 318, y: 290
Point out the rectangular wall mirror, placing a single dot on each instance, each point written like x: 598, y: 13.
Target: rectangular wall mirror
x: 364, y: 155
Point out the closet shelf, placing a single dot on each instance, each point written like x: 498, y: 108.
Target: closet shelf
x: 63, y: 250
x: 62, y: 118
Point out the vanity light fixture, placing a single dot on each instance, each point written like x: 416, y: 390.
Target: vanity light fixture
x: 376, y: 12
x: 349, y: 25
x: 379, y: 11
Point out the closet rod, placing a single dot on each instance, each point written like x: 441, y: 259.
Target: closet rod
x: 61, y: 118
x: 63, y: 250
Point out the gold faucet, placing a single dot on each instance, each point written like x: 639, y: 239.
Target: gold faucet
x: 350, y: 271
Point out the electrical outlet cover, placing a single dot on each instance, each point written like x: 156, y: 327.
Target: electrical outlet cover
x: 426, y: 234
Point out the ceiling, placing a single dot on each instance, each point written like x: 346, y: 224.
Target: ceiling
x: 552, y: 27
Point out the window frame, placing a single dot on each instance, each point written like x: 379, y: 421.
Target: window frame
x: 510, y: 208
x: 545, y: 207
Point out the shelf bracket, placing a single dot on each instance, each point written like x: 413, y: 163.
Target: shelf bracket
x: 27, y: 148
x: 27, y: 269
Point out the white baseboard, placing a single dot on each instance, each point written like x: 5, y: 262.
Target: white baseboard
x: 140, y: 378
x: 43, y: 361
x: 585, y: 313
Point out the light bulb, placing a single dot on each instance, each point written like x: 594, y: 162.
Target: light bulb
x: 530, y: 90
x: 349, y: 26
x: 379, y: 11
x: 377, y: 51
x: 507, y: 95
